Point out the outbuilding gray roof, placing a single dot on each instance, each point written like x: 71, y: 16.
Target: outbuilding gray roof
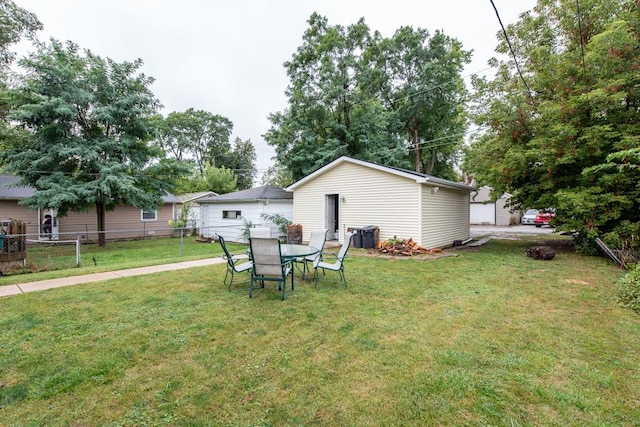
x: 8, y: 190
x: 265, y: 192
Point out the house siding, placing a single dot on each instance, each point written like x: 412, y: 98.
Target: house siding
x: 371, y: 197
x: 10, y: 209
x: 120, y: 221
x: 445, y: 217
x: 231, y: 229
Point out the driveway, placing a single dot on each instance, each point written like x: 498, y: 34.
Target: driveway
x: 485, y: 230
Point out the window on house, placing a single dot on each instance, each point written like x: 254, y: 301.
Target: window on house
x: 231, y: 214
x: 149, y: 215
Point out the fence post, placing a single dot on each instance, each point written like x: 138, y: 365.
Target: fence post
x: 78, y: 256
x: 182, y: 242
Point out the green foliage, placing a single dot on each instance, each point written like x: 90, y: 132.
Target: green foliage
x: 281, y: 221
x: 201, y: 139
x: 569, y: 137
x: 246, y: 226
x: 628, y: 293
x: 89, y: 124
x: 221, y: 180
x: 242, y: 160
x: 354, y: 93
x: 195, y: 134
x: 277, y: 175
x: 16, y: 24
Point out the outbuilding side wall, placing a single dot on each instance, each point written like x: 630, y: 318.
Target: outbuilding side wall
x: 366, y: 197
x: 232, y: 229
x: 445, y: 217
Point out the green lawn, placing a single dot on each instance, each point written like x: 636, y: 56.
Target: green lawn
x: 489, y: 337
x: 115, y: 255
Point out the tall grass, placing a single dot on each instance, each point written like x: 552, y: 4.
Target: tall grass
x: 489, y: 337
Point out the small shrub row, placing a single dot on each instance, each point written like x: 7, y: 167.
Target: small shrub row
x: 628, y: 293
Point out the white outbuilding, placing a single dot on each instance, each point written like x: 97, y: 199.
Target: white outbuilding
x: 349, y: 193
x: 228, y: 214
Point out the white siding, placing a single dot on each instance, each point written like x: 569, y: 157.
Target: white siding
x: 445, y: 217
x: 231, y: 229
x: 371, y: 197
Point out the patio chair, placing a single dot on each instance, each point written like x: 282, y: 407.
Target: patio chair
x: 261, y: 232
x: 268, y: 265
x: 317, y: 240
x: 232, y: 262
x: 338, y: 265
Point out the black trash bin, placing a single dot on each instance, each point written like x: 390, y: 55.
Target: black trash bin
x: 357, y: 237
x: 369, y: 237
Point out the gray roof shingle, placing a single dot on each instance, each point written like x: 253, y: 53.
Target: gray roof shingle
x: 265, y: 192
x: 8, y: 190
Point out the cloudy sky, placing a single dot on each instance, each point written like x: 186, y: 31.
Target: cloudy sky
x: 226, y: 56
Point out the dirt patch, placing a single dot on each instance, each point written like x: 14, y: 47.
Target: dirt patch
x: 421, y: 257
x: 577, y: 282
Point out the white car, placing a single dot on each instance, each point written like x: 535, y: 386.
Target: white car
x: 529, y: 216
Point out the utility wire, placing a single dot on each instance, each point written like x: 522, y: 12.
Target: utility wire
x: 515, y: 59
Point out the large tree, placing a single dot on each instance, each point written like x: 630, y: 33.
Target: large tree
x: 242, y: 160
x: 354, y: 93
x: 330, y: 112
x: 89, y: 123
x: 15, y: 24
x: 563, y: 117
x: 423, y: 85
x: 196, y: 135
x: 201, y: 140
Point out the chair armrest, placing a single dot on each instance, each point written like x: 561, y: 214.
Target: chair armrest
x: 235, y: 257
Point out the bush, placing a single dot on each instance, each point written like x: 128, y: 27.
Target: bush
x: 628, y: 293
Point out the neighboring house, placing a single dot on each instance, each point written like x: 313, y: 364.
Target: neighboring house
x: 193, y: 201
x: 486, y: 211
x: 226, y: 214
x: 122, y: 220
x: 348, y: 193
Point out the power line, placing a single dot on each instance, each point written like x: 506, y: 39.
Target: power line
x: 515, y: 59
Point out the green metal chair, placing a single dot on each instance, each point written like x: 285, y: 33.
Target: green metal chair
x: 338, y: 265
x: 232, y: 262
x: 317, y: 240
x: 268, y: 265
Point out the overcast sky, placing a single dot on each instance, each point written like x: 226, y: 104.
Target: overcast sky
x: 226, y: 56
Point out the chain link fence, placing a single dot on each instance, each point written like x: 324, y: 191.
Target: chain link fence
x: 22, y: 253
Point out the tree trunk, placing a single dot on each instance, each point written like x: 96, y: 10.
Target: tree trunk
x: 416, y: 143
x: 100, y: 212
x: 431, y: 162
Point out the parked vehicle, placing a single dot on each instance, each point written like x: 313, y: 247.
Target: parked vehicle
x: 544, y: 218
x: 530, y: 216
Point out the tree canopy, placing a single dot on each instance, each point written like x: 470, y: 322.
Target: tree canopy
x: 88, y: 119
x: 564, y: 131
x: 201, y: 139
x: 352, y: 92
x: 16, y: 23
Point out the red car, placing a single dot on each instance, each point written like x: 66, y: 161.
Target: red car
x: 544, y: 218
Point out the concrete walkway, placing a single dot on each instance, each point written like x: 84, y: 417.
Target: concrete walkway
x: 97, y: 277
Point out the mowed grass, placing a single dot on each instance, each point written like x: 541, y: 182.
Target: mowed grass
x: 489, y: 337
x: 116, y: 256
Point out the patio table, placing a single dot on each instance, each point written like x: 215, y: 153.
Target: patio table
x: 290, y: 251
